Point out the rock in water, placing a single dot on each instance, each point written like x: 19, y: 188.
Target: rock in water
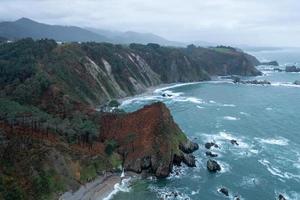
x: 281, y: 197
x: 149, y: 140
x: 292, y: 69
x: 208, y: 145
x: 272, y: 63
x: 213, y: 166
x: 189, y: 147
x: 210, y: 154
x: 224, y: 191
x: 297, y: 83
x: 234, y: 142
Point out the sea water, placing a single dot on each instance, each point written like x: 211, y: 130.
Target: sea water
x: 265, y: 121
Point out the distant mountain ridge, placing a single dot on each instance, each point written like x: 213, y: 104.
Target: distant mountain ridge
x: 24, y: 28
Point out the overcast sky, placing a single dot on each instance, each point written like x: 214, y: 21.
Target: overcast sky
x: 252, y: 22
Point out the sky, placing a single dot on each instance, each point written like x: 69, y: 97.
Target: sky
x: 228, y: 22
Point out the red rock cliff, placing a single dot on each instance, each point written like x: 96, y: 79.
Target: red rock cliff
x: 148, y: 139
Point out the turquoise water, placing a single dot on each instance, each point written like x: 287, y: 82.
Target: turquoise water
x: 264, y: 120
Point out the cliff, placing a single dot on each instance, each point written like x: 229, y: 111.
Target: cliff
x: 148, y: 139
x: 93, y: 73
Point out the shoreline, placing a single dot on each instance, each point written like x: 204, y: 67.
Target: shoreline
x: 102, y: 188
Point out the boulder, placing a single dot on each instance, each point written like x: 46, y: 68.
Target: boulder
x: 213, y: 166
x: 210, y: 154
x: 224, y: 191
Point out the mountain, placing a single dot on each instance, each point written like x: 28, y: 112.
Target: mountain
x: 135, y: 37
x: 24, y: 28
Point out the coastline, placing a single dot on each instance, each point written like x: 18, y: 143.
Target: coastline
x: 102, y: 188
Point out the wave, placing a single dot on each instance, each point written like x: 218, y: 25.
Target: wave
x: 119, y: 187
x: 230, y: 118
x: 159, y: 90
x: 169, y: 194
x: 281, y: 141
x: 229, y: 105
x: 277, y: 172
x: 244, y: 113
x: 285, y: 84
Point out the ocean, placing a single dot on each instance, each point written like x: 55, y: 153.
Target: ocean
x: 264, y: 120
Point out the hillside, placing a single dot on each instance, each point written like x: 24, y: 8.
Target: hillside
x: 52, y: 137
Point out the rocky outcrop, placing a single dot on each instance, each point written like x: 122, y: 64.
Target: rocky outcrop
x: 292, y: 69
x: 213, y: 166
x: 271, y: 63
x: 252, y: 82
x: 148, y: 139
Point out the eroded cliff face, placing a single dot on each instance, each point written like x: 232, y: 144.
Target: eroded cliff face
x: 148, y: 139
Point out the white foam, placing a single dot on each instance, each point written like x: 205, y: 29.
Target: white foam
x: 169, y: 194
x: 277, y: 172
x: 225, y: 167
x: 281, y: 141
x: 285, y: 84
x: 244, y: 113
x: 229, y: 105
x: 123, y: 187
x: 269, y: 109
x: 200, y: 107
x: 195, y: 192
x: 230, y: 118
x: 159, y: 90
x: 211, y: 101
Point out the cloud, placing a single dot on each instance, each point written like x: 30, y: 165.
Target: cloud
x: 255, y: 22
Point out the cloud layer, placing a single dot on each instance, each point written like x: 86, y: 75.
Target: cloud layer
x: 255, y: 22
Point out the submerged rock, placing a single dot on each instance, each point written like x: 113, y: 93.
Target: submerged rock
x: 224, y: 191
x: 166, y: 95
x: 213, y: 166
x: 210, y: 154
x: 278, y: 69
x: 281, y: 197
x: 234, y: 142
x: 237, y: 198
x: 297, y: 83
